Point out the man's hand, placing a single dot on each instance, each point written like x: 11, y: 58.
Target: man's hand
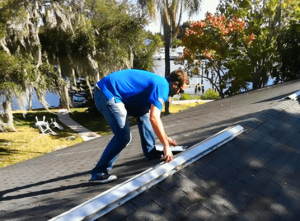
x: 160, y: 132
x: 172, y: 142
x: 168, y: 155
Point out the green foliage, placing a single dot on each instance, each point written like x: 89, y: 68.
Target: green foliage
x: 289, y: 46
x: 143, y: 53
x: 189, y: 97
x: 51, y: 76
x: 119, y: 37
x: 88, y: 39
x: 266, y: 20
x: 210, y: 95
x: 266, y: 46
x: 239, y: 74
x: 176, y: 43
x: 157, y: 39
x: 12, y: 77
x: 185, y: 97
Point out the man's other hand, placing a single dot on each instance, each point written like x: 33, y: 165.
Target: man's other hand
x: 172, y: 142
x: 168, y: 155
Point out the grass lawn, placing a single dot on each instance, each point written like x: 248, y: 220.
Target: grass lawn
x: 92, y: 121
x: 175, y: 108
x: 28, y: 143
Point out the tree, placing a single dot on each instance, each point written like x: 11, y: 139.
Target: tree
x: 218, y: 40
x: 78, y: 38
x: 143, y: 53
x: 12, y: 84
x: 182, y: 29
x: 289, y: 46
x: 265, y: 19
x: 21, y: 62
x: 171, y: 12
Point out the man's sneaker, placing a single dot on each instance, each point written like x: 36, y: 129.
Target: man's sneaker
x: 106, y: 178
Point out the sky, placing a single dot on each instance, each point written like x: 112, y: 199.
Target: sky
x: 206, y: 6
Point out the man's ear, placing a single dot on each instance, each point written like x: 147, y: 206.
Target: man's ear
x: 174, y: 85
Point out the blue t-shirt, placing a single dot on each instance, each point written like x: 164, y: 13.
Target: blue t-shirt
x: 135, y: 88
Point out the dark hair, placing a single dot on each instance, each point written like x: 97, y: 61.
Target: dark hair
x: 178, y: 75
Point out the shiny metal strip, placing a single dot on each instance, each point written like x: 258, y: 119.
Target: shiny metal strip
x: 118, y: 195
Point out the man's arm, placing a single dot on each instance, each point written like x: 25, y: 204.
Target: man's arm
x: 160, y: 132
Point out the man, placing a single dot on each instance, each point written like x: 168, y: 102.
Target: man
x: 140, y: 94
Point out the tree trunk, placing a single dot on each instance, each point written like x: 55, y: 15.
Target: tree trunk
x: 3, y: 45
x: 167, y: 38
x: 73, y: 79
x: 90, y: 86
x: 97, y: 78
x: 2, y: 126
x: 66, y: 93
x: 30, y: 98
x: 8, y: 110
x: 256, y: 79
x: 131, y: 57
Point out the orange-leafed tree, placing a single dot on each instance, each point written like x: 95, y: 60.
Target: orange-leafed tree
x: 216, y: 42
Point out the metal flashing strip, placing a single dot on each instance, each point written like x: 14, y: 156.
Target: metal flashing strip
x: 118, y: 195
x: 294, y: 96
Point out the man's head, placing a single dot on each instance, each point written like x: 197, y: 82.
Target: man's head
x: 178, y: 81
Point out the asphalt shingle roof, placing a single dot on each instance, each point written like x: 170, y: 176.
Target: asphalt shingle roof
x: 256, y: 176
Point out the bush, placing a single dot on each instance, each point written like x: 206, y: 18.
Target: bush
x: 185, y: 97
x: 210, y: 95
x: 189, y: 97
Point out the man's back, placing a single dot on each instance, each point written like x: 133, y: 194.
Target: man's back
x: 135, y: 88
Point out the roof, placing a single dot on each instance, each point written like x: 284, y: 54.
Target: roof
x: 253, y: 177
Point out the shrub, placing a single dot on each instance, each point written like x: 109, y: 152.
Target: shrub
x: 197, y: 97
x: 189, y: 97
x: 185, y: 97
x: 210, y: 95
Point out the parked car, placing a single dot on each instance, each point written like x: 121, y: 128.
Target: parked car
x: 79, y: 100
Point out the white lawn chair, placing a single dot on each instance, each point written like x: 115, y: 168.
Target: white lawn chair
x: 41, y: 122
x: 55, y: 124
x: 44, y: 126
